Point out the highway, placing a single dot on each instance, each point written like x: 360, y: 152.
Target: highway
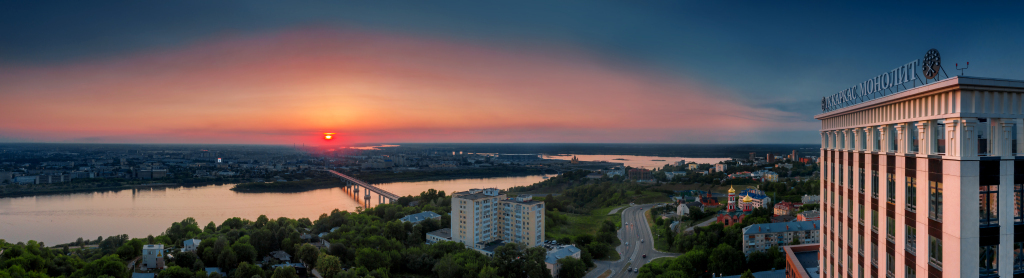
x: 634, y: 229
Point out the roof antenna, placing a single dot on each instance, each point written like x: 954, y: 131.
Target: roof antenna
x: 962, y: 69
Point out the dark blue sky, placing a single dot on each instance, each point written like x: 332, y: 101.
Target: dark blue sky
x: 782, y: 56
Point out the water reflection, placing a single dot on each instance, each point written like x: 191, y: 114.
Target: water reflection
x: 140, y: 212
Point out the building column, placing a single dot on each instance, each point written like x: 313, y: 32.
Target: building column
x: 951, y: 136
x: 871, y: 137
x: 968, y: 138
x: 901, y: 138
x: 883, y: 136
x: 857, y: 137
x: 924, y: 138
x: 1019, y: 124
x: 1001, y: 137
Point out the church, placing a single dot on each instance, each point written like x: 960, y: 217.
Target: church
x: 735, y: 210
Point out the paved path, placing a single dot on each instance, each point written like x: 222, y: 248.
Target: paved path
x: 702, y: 224
x: 615, y: 210
x: 634, y: 229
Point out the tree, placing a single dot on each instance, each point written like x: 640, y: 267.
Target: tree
x: 285, y: 272
x: 308, y: 253
x: 488, y: 272
x: 747, y: 274
x: 245, y: 252
x: 726, y: 259
x: 110, y: 265
x: 587, y: 259
x: 372, y: 259
x: 176, y: 272
x: 328, y: 265
x: 571, y: 268
x: 447, y: 267
x: 186, y: 259
x: 247, y: 270
x: 227, y: 259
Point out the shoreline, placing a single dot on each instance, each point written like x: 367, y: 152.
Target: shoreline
x: 18, y: 194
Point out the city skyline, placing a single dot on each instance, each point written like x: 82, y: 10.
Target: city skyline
x: 248, y: 73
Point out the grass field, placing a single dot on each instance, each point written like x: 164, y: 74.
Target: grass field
x: 660, y: 236
x: 586, y: 223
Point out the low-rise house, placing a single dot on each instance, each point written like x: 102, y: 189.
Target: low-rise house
x: 786, y: 208
x: 280, y: 255
x: 439, y: 236
x: 782, y: 218
x: 810, y: 215
x: 809, y: 199
x: 153, y: 256
x: 761, y: 237
x: 191, y: 245
x: 558, y: 253
x: 420, y: 217
x: 682, y: 209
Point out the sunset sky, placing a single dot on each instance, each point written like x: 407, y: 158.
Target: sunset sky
x: 425, y: 71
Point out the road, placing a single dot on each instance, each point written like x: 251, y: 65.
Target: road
x: 634, y: 229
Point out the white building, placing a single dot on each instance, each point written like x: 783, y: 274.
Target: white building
x: 482, y: 216
x: 761, y: 237
x: 682, y: 209
x: 558, y: 253
x: 420, y: 217
x: 191, y: 245
x: 721, y: 167
x: 931, y: 174
x: 439, y: 236
x: 153, y: 256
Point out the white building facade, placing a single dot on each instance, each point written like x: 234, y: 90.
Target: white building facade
x: 921, y: 183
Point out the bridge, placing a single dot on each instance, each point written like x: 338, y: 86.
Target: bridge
x: 356, y: 183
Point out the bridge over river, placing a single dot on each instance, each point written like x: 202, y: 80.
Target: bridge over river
x: 355, y: 183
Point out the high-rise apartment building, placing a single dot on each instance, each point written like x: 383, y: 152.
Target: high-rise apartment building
x: 922, y: 183
x: 482, y: 216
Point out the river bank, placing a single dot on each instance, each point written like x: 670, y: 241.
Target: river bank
x: 69, y: 189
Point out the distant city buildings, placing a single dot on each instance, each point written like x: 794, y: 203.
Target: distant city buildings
x: 640, y: 174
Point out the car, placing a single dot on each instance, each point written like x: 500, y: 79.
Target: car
x: 645, y: 256
x: 641, y: 241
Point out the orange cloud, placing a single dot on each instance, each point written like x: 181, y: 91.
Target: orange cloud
x: 367, y: 87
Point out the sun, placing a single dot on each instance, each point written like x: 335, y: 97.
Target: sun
x: 328, y: 136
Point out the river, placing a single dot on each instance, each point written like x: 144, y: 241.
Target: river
x: 62, y: 218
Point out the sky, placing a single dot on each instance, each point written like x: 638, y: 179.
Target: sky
x: 254, y: 72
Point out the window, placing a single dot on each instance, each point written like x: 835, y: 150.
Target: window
x: 988, y: 205
x: 860, y: 183
x: 849, y: 208
x: 911, y: 272
x: 840, y: 230
x: 989, y: 261
x: 911, y: 239
x: 890, y: 187
x: 874, y: 253
x: 849, y: 175
x: 935, y: 200
x: 841, y: 205
x: 860, y: 244
x: 861, y: 213
x: 935, y: 251
x: 890, y: 228
x: 890, y: 265
x: 874, y: 184
x: 1018, y: 257
x: 840, y: 174
x: 912, y: 193
x: 849, y: 233
x: 1018, y: 202
x: 874, y: 220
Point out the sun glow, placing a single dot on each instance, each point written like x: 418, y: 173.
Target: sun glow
x: 328, y: 136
